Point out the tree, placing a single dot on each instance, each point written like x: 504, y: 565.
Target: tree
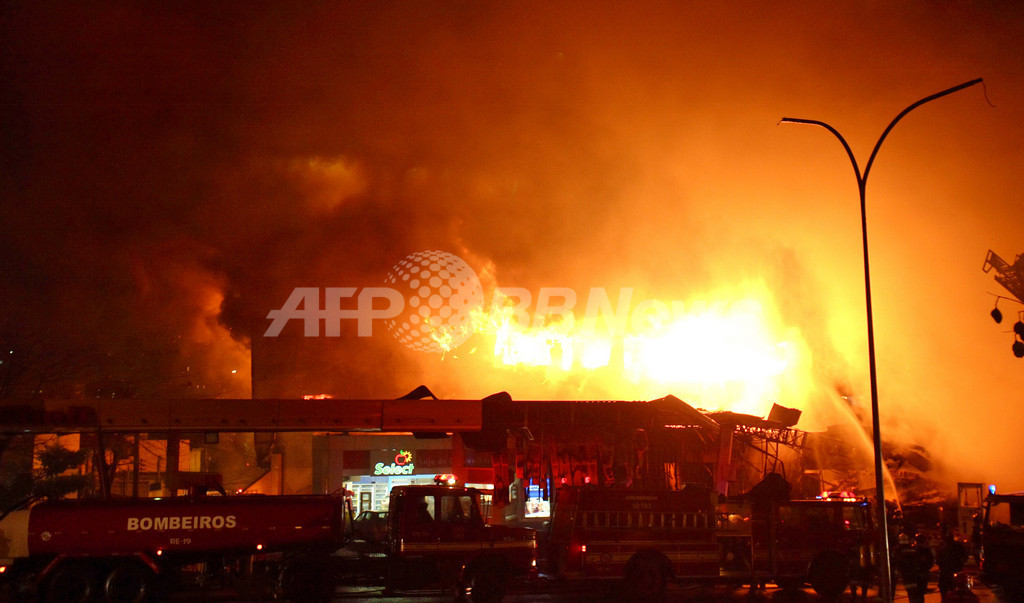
x: 54, y: 478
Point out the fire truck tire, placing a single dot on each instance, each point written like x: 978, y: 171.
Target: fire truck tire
x: 311, y: 583
x: 72, y: 582
x: 129, y: 582
x: 488, y: 580
x: 647, y: 575
x: 829, y: 574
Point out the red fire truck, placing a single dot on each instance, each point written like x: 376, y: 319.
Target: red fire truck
x: 648, y: 538
x: 438, y: 535
x: 133, y: 550
x: 643, y: 536
x: 74, y: 550
x: 1002, y: 544
x: 827, y: 542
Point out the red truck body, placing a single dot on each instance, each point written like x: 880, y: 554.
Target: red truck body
x: 183, y: 526
x: 438, y: 534
x: 1002, y: 544
x: 134, y: 549
x: 598, y: 532
x: 649, y: 537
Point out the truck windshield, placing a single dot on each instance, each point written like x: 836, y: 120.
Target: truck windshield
x: 854, y: 518
x: 1006, y: 513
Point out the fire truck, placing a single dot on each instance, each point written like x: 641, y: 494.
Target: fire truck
x: 134, y: 549
x: 142, y: 549
x: 827, y: 542
x: 437, y: 535
x: 648, y: 538
x: 1002, y: 544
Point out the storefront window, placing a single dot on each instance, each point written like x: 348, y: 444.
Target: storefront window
x: 536, y: 505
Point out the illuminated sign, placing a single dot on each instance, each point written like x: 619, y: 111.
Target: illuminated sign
x: 401, y: 466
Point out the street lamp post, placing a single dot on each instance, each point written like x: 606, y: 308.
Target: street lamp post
x: 885, y: 578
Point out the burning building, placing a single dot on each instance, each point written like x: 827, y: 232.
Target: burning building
x: 623, y: 161
x: 522, y: 450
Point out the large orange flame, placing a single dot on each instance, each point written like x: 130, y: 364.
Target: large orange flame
x: 725, y: 355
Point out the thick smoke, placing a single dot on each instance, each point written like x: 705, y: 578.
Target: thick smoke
x: 173, y: 173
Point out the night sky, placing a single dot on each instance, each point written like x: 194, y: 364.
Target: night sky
x: 171, y: 171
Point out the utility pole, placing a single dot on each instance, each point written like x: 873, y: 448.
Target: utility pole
x: 885, y: 577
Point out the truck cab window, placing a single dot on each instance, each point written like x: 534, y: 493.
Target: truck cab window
x: 423, y: 511
x: 457, y: 509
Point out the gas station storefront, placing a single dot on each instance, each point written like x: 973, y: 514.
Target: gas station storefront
x: 370, y: 465
x: 372, y: 482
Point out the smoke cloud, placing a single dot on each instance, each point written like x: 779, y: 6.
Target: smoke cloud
x: 172, y: 173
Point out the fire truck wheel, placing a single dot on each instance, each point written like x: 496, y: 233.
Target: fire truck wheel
x: 647, y: 574
x: 829, y: 574
x: 73, y: 582
x: 308, y: 582
x: 487, y: 581
x: 128, y: 582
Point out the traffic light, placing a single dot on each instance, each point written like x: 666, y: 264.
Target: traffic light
x: 1018, y: 344
x: 1018, y: 327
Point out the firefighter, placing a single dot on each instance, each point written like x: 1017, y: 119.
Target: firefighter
x: 976, y: 538
x: 915, y: 563
x: 951, y: 557
x: 422, y: 514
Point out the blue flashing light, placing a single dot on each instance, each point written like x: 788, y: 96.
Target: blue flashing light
x: 991, y: 488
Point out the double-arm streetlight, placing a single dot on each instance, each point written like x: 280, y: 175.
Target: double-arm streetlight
x: 885, y: 578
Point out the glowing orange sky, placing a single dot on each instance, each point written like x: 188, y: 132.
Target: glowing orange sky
x: 570, y: 145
